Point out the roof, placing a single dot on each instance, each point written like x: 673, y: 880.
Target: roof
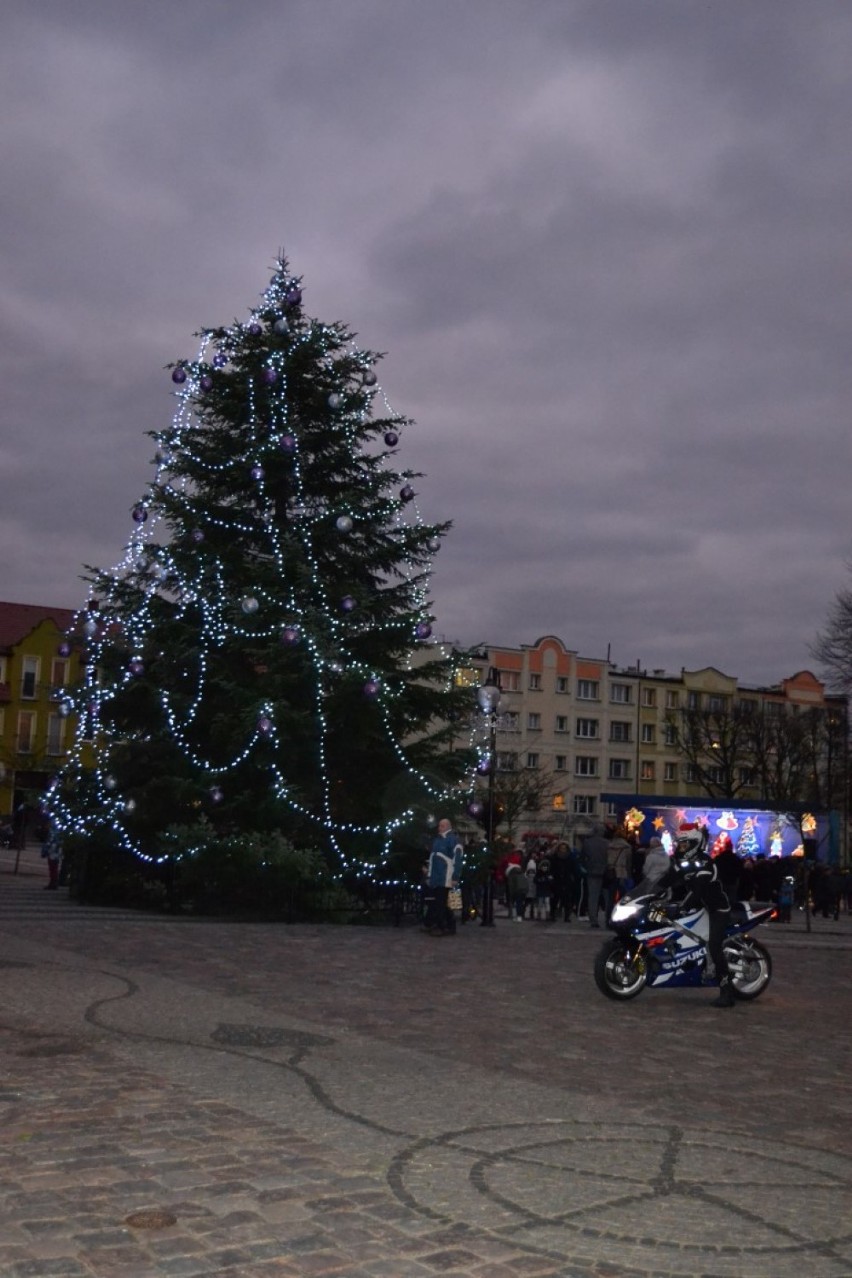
x: 19, y: 620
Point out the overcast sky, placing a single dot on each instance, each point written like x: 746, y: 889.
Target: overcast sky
x: 604, y: 243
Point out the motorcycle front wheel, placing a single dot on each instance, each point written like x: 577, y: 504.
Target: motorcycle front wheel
x: 618, y: 973
x: 750, y: 965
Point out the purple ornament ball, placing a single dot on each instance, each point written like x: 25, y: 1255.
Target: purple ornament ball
x: 391, y: 439
x: 205, y: 382
x: 423, y: 630
x: 139, y: 513
x: 197, y: 535
x: 264, y: 725
x: 137, y: 666
x: 179, y: 376
x: 255, y: 329
x: 64, y: 649
x: 483, y: 767
x: 475, y: 808
x: 370, y: 378
x: 293, y: 296
x: 216, y: 794
x: 257, y: 473
x: 219, y: 360
x: 371, y: 689
x: 347, y: 603
x: 406, y: 493
x: 290, y: 636
x: 270, y: 376
x: 287, y: 443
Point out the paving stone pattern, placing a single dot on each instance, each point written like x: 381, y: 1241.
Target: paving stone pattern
x: 184, y: 1097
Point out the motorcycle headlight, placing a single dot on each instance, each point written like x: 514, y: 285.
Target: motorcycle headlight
x: 623, y: 911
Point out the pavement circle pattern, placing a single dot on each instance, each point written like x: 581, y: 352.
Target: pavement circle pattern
x: 656, y: 1193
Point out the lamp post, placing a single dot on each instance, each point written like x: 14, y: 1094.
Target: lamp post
x: 488, y: 697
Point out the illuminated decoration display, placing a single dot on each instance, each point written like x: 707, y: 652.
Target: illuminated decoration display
x: 253, y: 663
x: 751, y: 831
x: 633, y: 820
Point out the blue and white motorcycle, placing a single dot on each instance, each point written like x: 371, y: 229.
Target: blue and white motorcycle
x: 659, y: 944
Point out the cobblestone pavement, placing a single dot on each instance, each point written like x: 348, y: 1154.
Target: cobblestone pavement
x: 188, y: 1097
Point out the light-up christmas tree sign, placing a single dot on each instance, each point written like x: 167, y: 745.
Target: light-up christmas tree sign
x: 253, y: 661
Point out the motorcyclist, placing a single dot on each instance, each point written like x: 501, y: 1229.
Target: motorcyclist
x: 692, y: 868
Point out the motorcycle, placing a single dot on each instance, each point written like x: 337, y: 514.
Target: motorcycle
x: 658, y: 943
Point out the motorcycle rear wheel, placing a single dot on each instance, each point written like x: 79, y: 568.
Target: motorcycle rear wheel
x: 750, y: 965
x: 618, y: 974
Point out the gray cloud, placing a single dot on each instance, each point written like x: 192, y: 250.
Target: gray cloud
x: 604, y: 247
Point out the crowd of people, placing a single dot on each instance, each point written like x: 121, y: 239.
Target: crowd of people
x: 547, y: 879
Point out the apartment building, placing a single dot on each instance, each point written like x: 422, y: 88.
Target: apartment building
x: 604, y: 732
x: 35, y: 665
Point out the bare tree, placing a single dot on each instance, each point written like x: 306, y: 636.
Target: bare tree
x: 522, y: 790
x: 785, y: 757
x: 718, y: 744
x: 833, y: 645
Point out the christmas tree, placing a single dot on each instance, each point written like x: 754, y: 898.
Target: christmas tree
x: 260, y: 663
x: 747, y: 844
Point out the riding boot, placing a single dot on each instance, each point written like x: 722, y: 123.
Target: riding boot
x: 726, y: 994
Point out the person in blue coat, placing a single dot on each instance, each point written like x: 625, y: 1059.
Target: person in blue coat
x: 445, y: 871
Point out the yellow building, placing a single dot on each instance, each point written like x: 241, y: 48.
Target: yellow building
x: 35, y: 665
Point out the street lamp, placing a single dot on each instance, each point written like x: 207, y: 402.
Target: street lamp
x: 488, y: 697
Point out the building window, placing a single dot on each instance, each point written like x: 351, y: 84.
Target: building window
x: 585, y: 765
x: 560, y: 763
x: 588, y: 728
x: 29, y: 678
x: 532, y: 759
x: 672, y: 700
x: 26, y: 732
x: 510, y: 721
x: 467, y: 677
x: 620, y: 693
x: 619, y: 769
x: 56, y: 734
x: 59, y: 672
x: 716, y: 704
x: 690, y: 773
x: 535, y: 683
x: 649, y: 770
x: 693, y: 700
x: 670, y: 772
x: 649, y: 733
x: 585, y: 804
x: 588, y: 690
x: 562, y: 723
x: 669, y: 735
x: 619, y: 731
x: 747, y: 705
x: 562, y: 684
x: 716, y: 775
x: 510, y: 681
x: 649, y: 697
x: 533, y: 722
x: 507, y: 760
x: 747, y: 776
